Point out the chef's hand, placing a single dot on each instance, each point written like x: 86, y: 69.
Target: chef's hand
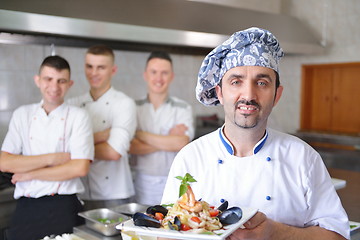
x: 178, y: 130
x: 258, y: 227
x: 20, y: 177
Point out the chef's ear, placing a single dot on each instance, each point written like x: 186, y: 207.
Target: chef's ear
x: 71, y: 82
x: 219, y: 93
x: 279, y: 91
x: 114, y: 70
x: 37, y: 80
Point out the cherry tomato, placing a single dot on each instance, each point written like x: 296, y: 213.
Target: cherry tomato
x: 159, y: 216
x: 213, y: 212
x: 184, y: 227
x: 195, y: 219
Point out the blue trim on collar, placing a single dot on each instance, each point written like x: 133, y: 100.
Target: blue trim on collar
x: 230, y: 148
x: 260, y: 143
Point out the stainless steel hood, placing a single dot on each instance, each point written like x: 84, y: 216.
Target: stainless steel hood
x: 161, y: 22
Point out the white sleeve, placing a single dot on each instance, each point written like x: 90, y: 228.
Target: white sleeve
x: 186, y: 117
x: 81, y: 142
x: 123, y: 126
x: 325, y: 208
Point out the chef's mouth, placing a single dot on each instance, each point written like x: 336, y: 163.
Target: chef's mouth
x: 247, y: 104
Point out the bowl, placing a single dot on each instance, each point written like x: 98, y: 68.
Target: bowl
x: 130, y: 209
x: 103, y: 220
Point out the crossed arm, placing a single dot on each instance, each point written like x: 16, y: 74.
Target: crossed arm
x: 103, y: 150
x: 146, y: 142
x: 51, y: 167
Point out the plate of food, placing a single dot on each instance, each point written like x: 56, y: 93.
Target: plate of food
x: 187, y: 218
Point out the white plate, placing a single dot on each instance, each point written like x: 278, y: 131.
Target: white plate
x: 129, y: 227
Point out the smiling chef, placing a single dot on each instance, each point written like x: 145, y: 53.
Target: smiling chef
x: 249, y: 164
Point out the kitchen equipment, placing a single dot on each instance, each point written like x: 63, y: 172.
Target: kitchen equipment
x: 130, y: 209
x: 94, y: 219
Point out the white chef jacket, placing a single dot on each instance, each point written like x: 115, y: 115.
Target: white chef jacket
x: 110, y: 179
x: 172, y: 112
x: 285, y: 178
x: 33, y: 132
x: 152, y: 169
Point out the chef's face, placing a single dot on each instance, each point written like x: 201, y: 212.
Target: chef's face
x: 158, y: 75
x: 99, y: 69
x: 248, y: 94
x: 53, y: 85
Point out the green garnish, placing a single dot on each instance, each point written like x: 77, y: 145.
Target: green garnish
x: 353, y: 226
x: 109, y: 221
x: 167, y: 205
x: 185, y: 182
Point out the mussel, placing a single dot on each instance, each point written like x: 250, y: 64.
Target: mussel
x: 230, y: 216
x: 155, y: 209
x: 223, y: 206
x: 141, y: 219
x: 175, y: 225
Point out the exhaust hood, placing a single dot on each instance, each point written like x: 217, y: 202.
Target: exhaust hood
x: 176, y: 23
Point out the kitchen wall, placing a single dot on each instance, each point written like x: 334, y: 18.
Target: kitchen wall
x: 333, y: 22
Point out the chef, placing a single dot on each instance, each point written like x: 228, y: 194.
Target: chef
x: 249, y: 164
x: 48, y: 147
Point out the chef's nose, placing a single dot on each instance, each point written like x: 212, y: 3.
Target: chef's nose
x: 55, y: 84
x: 94, y: 71
x: 248, y: 91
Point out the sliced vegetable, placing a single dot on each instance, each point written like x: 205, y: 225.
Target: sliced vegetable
x: 213, y: 212
x: 185, y: 227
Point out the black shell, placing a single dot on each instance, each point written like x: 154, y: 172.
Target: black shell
x: 157, y: 208
x: 175, y: 225
x: 223, y: 206
x: 230, y: 216
x: 141, y: 219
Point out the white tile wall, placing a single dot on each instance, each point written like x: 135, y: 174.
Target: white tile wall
x: 19, y: 63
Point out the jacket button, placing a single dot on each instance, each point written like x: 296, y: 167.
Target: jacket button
x: 268, y: 159
x: 220, y: 161
x: 268, y: 198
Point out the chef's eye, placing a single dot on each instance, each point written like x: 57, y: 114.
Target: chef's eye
x: 262, y: 83
x: 62, y: 81
x: 235, y: 82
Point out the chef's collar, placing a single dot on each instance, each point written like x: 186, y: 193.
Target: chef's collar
x: 167, y: 100
x: 105, y: 95
x: 58, y: 111
x: 230, y: 148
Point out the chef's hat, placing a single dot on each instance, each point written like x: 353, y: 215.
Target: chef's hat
x: 250, y: 47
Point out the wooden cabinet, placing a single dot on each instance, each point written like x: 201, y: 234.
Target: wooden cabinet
x: 331, y: 98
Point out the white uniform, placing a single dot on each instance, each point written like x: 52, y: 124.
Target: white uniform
x: 285, y: 178
x: 33, y: 132
x: 109, y: 180
x: 152, y: 169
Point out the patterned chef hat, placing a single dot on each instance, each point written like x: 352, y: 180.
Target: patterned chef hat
x: 250, y: 47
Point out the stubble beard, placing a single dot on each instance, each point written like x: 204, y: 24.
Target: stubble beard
x: 246, y: 122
